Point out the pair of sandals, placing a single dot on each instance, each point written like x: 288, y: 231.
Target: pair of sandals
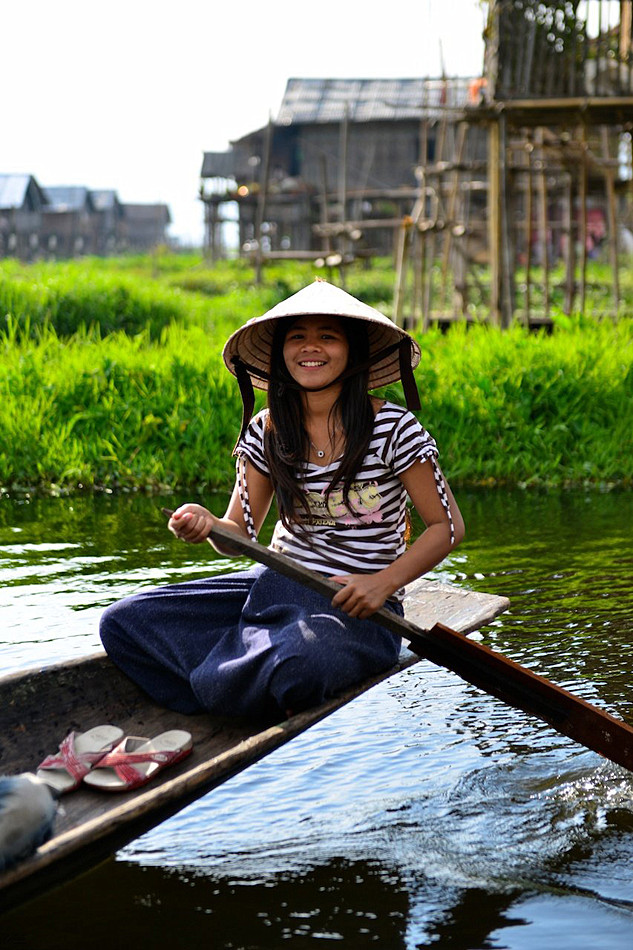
x: 104, y: 758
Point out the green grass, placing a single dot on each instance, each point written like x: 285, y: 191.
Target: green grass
x: 74, y: 295
x: 530, y: 409
x: 111, y: 377
x: 118, y: 413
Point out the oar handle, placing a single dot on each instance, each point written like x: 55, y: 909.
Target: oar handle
x: 238, y: 544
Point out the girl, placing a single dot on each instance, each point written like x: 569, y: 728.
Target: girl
x: 340, y: 464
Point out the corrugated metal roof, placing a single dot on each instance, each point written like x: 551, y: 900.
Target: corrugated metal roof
x: 68, y: 198
x: 104, y: 199
x: 367, y: 100
x: 218, y: 165
x: 13, y: 189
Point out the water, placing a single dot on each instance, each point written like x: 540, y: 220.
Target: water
x: 423, y: 814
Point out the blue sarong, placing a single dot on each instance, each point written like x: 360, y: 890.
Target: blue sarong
x: 252, y: 643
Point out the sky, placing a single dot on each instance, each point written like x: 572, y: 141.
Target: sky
x: 129, y: 94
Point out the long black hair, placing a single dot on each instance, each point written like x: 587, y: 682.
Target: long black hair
x: 286, y: 442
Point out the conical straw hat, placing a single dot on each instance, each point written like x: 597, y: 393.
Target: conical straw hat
x: 252, y: 343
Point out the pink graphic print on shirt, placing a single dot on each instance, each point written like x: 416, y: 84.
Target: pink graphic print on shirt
x: 364, y: 505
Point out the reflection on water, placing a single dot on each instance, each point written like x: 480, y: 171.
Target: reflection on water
x: 424, y: 813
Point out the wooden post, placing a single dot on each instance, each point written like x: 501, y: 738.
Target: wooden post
x: 404, y: 241
x: 507, y: 254
x: 529, y: 148
x: 491, y: 55
x: 261, y: 200
x: 209, y: 255
x: 612, y: 218
x: 626, y: 29
x: 452, y: 203
x: 494, y: 227
x: 325, y: 215
x: 417, y: 307
x: 570, y: 248
x: 342, y: 167
x: 626, y: 38
x: 430, y: 237
x: 543, y: 219
x: 342, y: 184
x: 418, y: 276
x: 418, y: 211
x: 424, y: 276
x: 583, y: 217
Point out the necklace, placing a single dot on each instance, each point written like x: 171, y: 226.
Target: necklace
x: 320, y: 453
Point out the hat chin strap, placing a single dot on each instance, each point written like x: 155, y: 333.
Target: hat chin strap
x: 244, y: 370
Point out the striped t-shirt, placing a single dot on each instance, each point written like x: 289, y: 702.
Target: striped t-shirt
x: 366, y: 535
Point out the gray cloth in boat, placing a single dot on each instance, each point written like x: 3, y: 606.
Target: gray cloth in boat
x: 251, y: 643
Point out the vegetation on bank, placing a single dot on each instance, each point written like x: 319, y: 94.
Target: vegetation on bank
x: 111, y: 377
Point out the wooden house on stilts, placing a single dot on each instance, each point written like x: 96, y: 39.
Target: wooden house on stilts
x: 335, y: 172
x: 492, y: 193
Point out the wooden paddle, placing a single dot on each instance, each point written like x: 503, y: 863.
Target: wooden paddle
x: 472, y: 661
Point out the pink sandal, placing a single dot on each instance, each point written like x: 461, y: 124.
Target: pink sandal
x: 77, y: 755
x: 136, y: 760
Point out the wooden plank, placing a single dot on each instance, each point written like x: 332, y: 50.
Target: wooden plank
x: 428, y: 603
x: 39, y: 707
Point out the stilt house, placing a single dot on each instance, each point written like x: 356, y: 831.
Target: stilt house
x: 22, y: 201
x: 485, y: 189
x: 338, y: 165
x: 68, y: 227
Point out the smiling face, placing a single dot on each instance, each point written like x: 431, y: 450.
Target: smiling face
x: 316, y: 351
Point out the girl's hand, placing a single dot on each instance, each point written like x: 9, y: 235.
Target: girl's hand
x: 191, y: 523
x: 361, y: 594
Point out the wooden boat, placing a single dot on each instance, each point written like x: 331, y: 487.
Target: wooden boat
x: 38, y: 708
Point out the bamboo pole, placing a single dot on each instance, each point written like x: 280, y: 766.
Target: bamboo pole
x: 626, y: 28
x: 494, y: 229
x: 600, y: 54
x: 325, y: 215
x: 404, y: 243
x: 424, y: 276
x: 431, y: 242
x: 507, y: 256
x: 626, y: 38
x: 452, y: 204
x: 583, y: 217
x: 418, y: 272
x: 261, y: 200
x: 529, y: 148
x: 461, y: 262
x: 612, y: 218
x: 491, y: 54
x: 420, y: 275
x: 572, y: 60
x: 342, y: 184
x: 570, y: 247
x: 543, y: 219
